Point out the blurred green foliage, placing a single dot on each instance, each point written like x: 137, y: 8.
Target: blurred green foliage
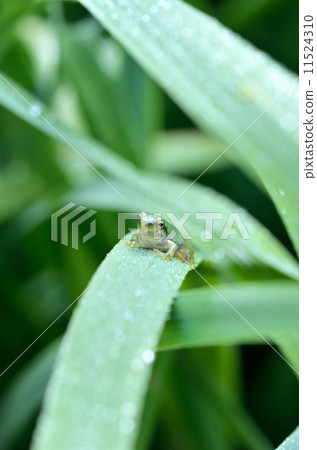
x: 222, y: 397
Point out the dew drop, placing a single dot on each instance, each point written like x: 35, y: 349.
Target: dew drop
x: 289, y: 122
x: 129, y: 409
x: 164, y: 4
x: 148, y: 356
x: 109, y: 415
x: 146, y: 18
x: 35, y: 110
x: 137, y: 293
x: 119, y: 336
x: 128, y: 315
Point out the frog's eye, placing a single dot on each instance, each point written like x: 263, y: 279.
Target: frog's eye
x: 161, y: 224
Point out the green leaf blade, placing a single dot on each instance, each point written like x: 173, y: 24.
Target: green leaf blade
x: 291, y: 442
x: 192, y: 56
x: 22, y: 398
x: 155, y: 193
x: 142, y: 191
x: 96, y: 394
x: 202, y: 318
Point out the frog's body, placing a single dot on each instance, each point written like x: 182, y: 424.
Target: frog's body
x: 156, y: 234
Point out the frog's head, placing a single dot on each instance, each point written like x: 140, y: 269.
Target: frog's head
x: 151, y: 223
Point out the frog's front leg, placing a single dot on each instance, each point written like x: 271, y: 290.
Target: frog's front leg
x: 170, y: 252
x: 134, y: 241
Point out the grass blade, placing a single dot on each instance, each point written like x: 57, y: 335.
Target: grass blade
x: 156, y: 193
x: 115, y: 107
x: 291, y: 442
x: 217, y: 391
x: 155, y: 399
x: 22, y: 399
x: 186, y: 152
x: 192, y: 56
x: 201, y: 317
x: 96, y: 394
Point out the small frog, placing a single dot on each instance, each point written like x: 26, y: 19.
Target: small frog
x: 162, y: 237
